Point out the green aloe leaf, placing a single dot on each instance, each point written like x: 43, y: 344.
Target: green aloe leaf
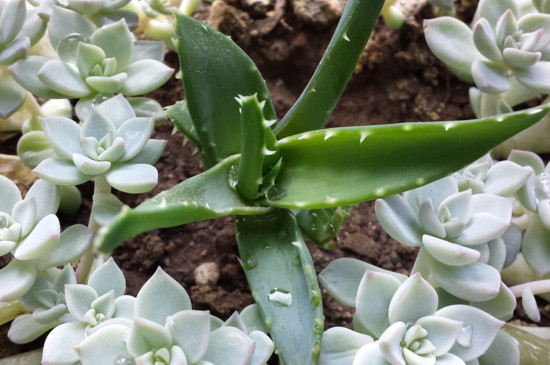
x: 282, y: 279
x: 205, y: 196
x: 377, y: 161
x: 317, y: 101
x: 212, y: 82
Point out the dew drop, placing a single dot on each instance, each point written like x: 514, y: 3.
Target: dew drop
x: 275, y: 192
x: 542, y: 186
x: 316, y: 298
x: 233, y: 176
x: 465, y: 336
x: 249, y: 263
x: 124, y: 359
x: 280, y: 297
x: 204, y: 26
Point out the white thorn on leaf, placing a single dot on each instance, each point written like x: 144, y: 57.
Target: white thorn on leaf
x: 329, y: 134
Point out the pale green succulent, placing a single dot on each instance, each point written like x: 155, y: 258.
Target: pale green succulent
x: 156, y: 327
x: 94, y: 64
x: 111, y: 142
x: 46, y: 302
x: 399, y: 323
x: 458, y: 232
x: 31, y: 232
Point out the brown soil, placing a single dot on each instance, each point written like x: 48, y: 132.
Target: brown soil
x: 397, y: 80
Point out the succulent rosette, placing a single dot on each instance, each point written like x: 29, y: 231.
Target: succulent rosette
x: 459, y: 234
x: 30, y: 231
x: 407, y: 328
x: 146, y: 330
x: 93, y: 64
x: 535, y: 198
x: 111, y: 142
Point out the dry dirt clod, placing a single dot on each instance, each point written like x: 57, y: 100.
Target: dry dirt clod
x: 206, y: 273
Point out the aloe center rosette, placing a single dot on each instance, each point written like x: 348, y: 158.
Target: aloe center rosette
x: 407, y: 328
x: 458, y: 234
x: 94, y: 64
x: 111, y: 142
x: 30, y: 231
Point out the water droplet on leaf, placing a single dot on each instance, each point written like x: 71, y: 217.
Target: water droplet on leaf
x: 280, y: 297
x: 465, y: 336
x: 249, y: 263
x: 275, y: 192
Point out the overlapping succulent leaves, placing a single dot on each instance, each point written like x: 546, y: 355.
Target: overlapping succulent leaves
x: 20, y: 28
x: 111, y: 142
x: 93, y: 64
x: 107, y: 326
x: 30, y: 231
x: 460, y: 232
x: 400, y: 323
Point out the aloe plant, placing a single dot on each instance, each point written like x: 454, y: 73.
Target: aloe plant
x: 261, y: 172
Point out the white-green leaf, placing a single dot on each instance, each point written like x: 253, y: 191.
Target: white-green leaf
x: 64, y: 22
x: 482, y: 228
x: 47, y: 197
x: 135, y: 132
x: 449, y: 253
x: 133, y: 179
x: 9, y: 195
x: 116, y: 41
x: 390, y: 343
x: 429, y: 220
x: 16, y: 278
x: 535, y: 247
x: 442, y: 332
x: 263, y: 348
x: 478, y: 330
x: 118, y: 109
x: 476, y: 282
x: 490, y: 77
x: 452, y: 42
x: 11, y: 19
x: 506, y: 177
x: 98, y: 125
x: 398, y: 220
x: 105, y: 304
x: 190, y: 330
x: 414, y: 299
x: 124, y: 307
x: 160, y: 297
x: 536, y: 77
x: 90, y: 167
x: 370, y: 354
x: 340, y: 346
x: 228, y: 345
x: 63, y: 134
x: 60, y: 171
x: 492, y: 10
x: 25, y: 329
x: 43, y: 238
x: 107, y: 84
x: 105, y: 346
x: 146, y: 336
x: 63, y: 78
x: 145, y: 76
x: 24, y: 213
x: 79, y: 299
x: 73, y: 242
x: 373, y: 299
x: 108, y: 277
x: 113, y: 153
x: 25, y: 72
x: 150, y: 153
x: 87, y: 56
x: 484, y: 39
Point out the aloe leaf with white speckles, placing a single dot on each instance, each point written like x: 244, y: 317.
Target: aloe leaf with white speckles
x: 378, y: 161
x: 282, y: 279
x: 205, y: 196
x: 212, y: 82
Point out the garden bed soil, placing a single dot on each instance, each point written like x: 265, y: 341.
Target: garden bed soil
x: 397, y: 80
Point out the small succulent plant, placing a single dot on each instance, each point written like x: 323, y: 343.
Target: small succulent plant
x: 31, y: 232
x: 92, y: 65
x: 107, y: 327
x: 111, y: 142
x: 401, y: 322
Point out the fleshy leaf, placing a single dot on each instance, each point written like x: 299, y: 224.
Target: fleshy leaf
x: 43, y: 238
x: 106, y: 346
x: 146, y: 335
x: 108, y: 277
x: 79, y: 299
x: 398, y: 220
x: 25, y: 329
x: 375, y: 293
x: 452, y: 42
x: 64, y: 22
x: 535, y: 247
x: 145, y: 76
x: 442, y: 332
x: 449, y: 253
x: 150, y: 153
x: 63, y: 78
x: 190, y: 330
x: 16, y: 278
x: 47, y: 197
x: 228, y: 344
x: 535, y: 77
x: 58, y: 348
x: 9, y: 195
x: 161, y: 285
x: 478, y: 330
x: 133, y: 179
x: 342, y: 276
x: 118, y: 109
x: 60, y: 171
x: 63, y: 134
x: 90, y: 167
x: 476, y: 282
x: 414, y: 299
x: 135, y: 132
x: 482, y: 228
x: 390, y: 343
x: 340, y: 345
x: 24, y: 213
x: 121, y: 49
x: 87, y: 56
x: 107, y: 84
x: 25, y: 72
x: 490, y: 77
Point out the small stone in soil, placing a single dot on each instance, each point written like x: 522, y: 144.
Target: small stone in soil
x: 206, y: 273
